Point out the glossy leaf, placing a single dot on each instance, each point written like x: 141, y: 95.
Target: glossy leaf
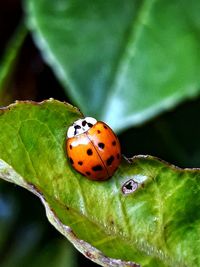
x: 121, y: 62
x: 155, y: 222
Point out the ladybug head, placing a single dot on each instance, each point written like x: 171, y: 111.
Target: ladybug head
x: 80, y: 126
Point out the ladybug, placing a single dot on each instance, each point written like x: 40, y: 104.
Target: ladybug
x: 93, y: 149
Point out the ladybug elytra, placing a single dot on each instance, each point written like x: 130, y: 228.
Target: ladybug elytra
x: 93, y: 149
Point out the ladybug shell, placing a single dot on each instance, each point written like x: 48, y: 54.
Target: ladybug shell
x: 95, y: 153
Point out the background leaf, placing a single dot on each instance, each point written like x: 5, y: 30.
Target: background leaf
x: 129, y: 61
x: 9, y: 62
x: 155, y: 225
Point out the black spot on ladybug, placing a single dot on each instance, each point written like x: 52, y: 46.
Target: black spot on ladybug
x: 98, y: 131
x: 71, y: 160
x: 109, y: 161
x: 105, y: 127
x: 97, y: 168
x: 77, y: 127
x: 101, y: 145
x: 84, y: 123
x: 70, y: 146
x: 80, y: 163
x: 118, y: 156
x: 89, y: 124
x: 114, y: 143
x: 88, y: 173
x: 89, y: 152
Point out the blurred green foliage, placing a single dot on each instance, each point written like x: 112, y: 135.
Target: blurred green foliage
x: 122, y: 62
x: 117, y: 61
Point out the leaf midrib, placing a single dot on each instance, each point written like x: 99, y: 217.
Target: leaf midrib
x: 133, y: 35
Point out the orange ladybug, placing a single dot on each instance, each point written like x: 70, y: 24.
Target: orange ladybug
x: 93, y: 149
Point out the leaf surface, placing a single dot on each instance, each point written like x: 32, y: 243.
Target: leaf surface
x: 147, y: 213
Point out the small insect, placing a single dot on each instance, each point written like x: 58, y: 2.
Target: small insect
x: 93, y: 149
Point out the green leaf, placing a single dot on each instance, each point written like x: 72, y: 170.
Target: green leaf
x: 157, y: 224
x: 121, y: 62
x: 8, y: 63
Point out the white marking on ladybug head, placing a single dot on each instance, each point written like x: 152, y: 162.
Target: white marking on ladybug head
x: 70, y: 132
x: 81, y: 126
